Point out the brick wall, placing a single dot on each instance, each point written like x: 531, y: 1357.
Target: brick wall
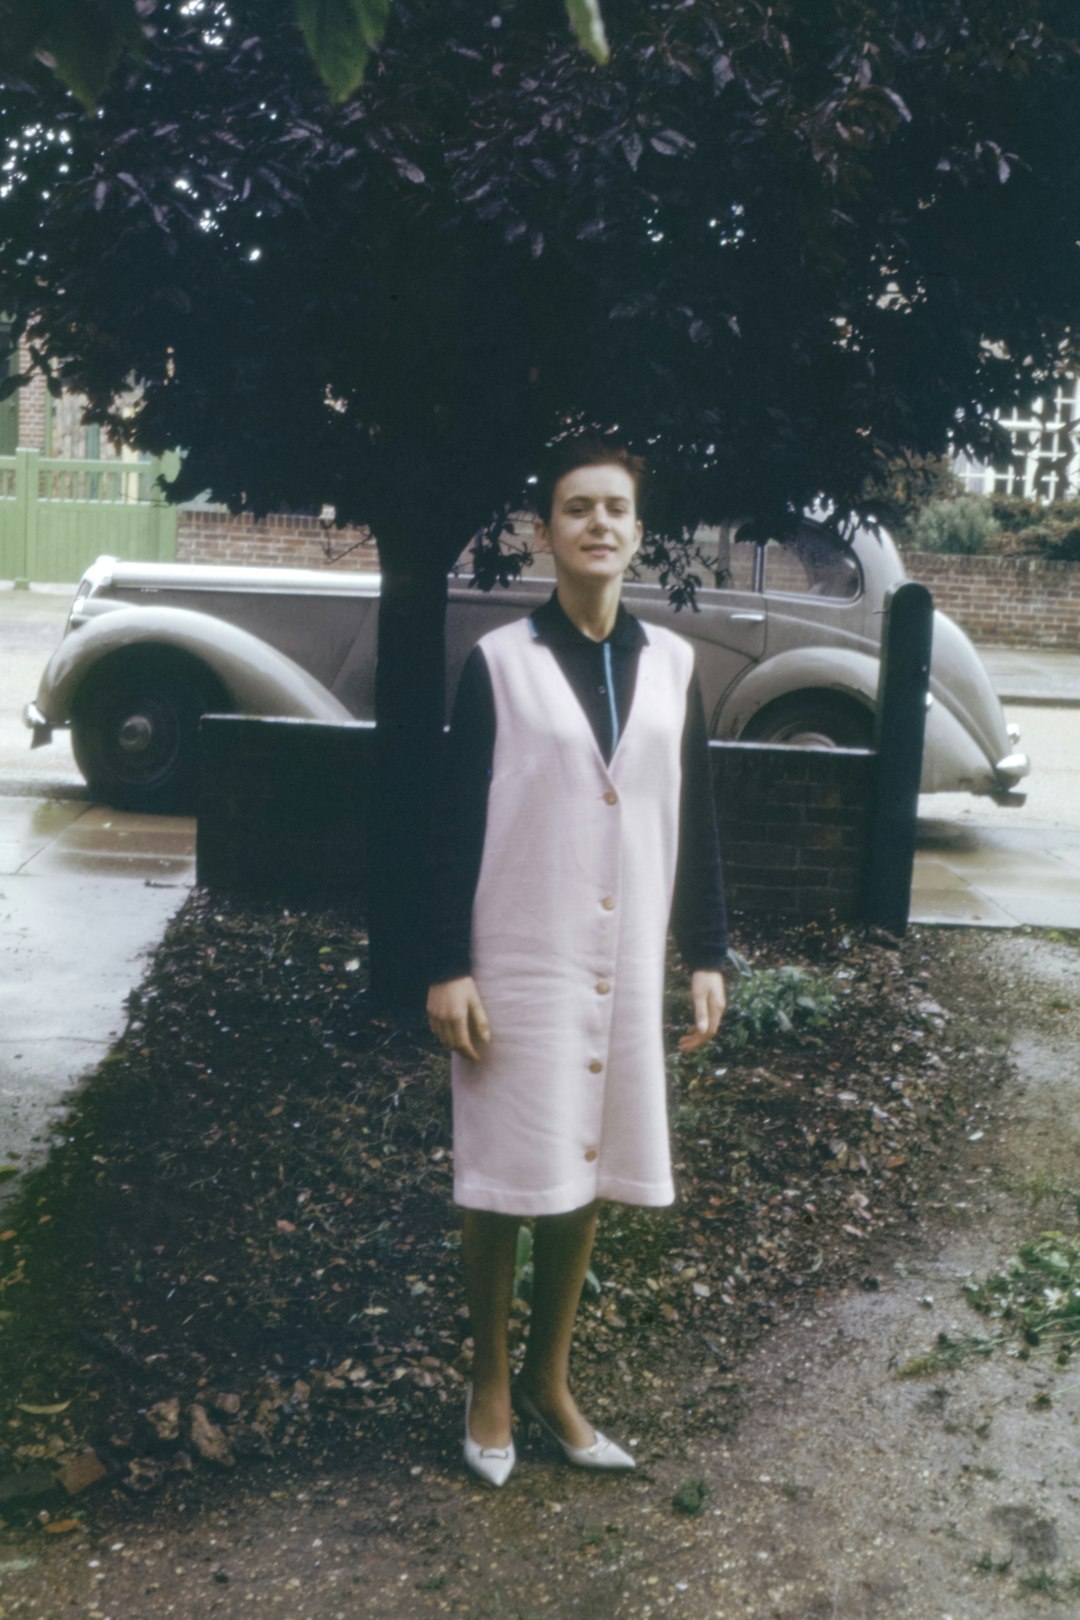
x: 270, y: 542
x: 34, y: 405
x: 794, y: 827
x: 1013, y: 601
x: 794, y: 822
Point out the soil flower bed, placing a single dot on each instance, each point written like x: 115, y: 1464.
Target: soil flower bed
x: 244, y: 1244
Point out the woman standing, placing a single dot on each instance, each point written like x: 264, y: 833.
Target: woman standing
x: 579, y: 807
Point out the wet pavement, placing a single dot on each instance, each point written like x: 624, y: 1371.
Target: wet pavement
x: 983, y: 876
x: 1045, y: 676
x: 983, y: 865
x: 85, y: 894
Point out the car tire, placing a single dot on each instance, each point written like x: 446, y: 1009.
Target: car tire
x: 135, y: 726
x: 813, y: 720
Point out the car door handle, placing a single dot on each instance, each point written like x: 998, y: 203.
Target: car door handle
x: 748, y: 618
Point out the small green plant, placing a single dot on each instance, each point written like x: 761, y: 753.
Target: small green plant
x: 524, y: 1267
x: 1036, y: 1298
x: 523, y: 1264
x: 690, y: 1496
x: 1038, y: 1293
x: 766, y: 1002
x: 966, y: 526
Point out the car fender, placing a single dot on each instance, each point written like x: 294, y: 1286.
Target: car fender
x: 953, y: 761
x: 832, y: 669
x: 256, y: 678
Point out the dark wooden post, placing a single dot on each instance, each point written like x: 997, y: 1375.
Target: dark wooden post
x: 899, y: 729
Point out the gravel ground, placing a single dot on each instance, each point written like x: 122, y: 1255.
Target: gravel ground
x: 785, y: 1468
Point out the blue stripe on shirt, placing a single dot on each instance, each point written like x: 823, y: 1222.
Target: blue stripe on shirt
x: 610, y: 683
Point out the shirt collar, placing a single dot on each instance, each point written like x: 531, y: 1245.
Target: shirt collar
x: 551, y: 624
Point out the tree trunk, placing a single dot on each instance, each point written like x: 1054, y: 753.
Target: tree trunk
x: 410, y: 686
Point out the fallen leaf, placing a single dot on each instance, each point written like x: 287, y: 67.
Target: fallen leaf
x: 62, y: 1527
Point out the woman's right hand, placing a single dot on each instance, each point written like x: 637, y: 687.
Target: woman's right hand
x: 457, y: 1017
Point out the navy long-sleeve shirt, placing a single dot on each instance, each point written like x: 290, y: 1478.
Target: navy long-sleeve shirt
x: 603, y: 676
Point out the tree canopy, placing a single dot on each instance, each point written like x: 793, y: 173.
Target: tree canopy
x: 775, y: 246
x: 772, y: 246
x: 84, y: 41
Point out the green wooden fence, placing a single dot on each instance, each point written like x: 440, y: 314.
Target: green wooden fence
x: 57, y: 515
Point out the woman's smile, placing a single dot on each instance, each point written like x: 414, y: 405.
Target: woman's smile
x: 594, y: 522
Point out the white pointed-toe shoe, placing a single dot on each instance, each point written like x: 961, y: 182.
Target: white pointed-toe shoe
x: 492, y: 1464
x: 603, y: 1453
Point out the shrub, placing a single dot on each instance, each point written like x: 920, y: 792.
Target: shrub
x: 1032, y: 529
x: 966, y: 526
x: 904, y: 485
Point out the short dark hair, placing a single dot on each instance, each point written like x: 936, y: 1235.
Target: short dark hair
x: 585, y: 450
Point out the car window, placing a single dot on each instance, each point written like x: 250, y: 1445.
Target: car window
x: 729, y: 560
x: 811, y: 563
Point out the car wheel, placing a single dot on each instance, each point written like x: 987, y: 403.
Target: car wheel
x: 813, y: 720
x: 134, y: 731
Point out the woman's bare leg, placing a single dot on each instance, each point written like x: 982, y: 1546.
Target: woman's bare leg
x: 562, y: 1245
x: 488, y: 1251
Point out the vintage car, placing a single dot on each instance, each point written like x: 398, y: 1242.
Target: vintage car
x: 787, y: 638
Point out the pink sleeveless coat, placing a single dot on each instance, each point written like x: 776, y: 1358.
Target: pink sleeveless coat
x: 569, y: 930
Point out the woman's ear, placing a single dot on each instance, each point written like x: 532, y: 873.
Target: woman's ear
x: 639, y: 530
x: 540, y: 535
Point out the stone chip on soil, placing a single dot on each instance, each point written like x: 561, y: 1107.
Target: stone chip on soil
x: 81, y: 1472
x: 163, y: 1421
x: 145, y: 1474
x: 207, y: 1439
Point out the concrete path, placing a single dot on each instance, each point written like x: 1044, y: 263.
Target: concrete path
x: 85, y: 894
x: 1039, y: 675
x: 988, y: 866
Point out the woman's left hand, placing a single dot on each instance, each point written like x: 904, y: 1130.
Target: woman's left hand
x: 710, y: 998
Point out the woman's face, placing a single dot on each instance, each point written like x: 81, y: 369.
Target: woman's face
x: 594, y: 529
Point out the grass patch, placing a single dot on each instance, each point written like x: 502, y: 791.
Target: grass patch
x: 1048, y: 1583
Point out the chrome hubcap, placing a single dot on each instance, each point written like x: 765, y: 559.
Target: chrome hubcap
x: 136, y: 734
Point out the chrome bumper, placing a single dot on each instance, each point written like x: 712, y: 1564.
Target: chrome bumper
x: 37, y: 723
x: 1010, y: 769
